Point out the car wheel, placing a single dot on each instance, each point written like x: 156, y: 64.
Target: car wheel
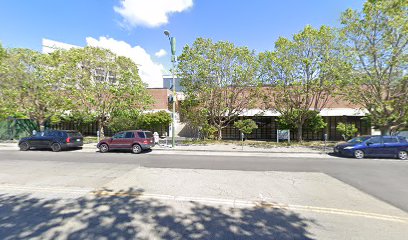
x: 358, y: 154
x: 136, y: 149
x: 24, y: 146
x: 403, y: 155
x: 103, y: 148
x: 56, y: 147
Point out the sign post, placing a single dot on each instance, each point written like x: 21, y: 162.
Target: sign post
x: 283, y: 135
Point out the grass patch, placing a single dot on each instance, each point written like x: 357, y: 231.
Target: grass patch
x: 261, y: 144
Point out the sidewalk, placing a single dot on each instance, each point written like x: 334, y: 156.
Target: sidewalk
x: 209, y: 148
x: 238, y: 148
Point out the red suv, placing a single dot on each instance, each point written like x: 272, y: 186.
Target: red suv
x: 135, y: 140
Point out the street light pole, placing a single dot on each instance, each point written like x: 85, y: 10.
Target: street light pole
x: 173, y: 60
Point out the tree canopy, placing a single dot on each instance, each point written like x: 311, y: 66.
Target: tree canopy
x: 102, y: 83
x: 378, y: 50
x: 31, y: 85
x: 219, y: 80
x: 303, y: 73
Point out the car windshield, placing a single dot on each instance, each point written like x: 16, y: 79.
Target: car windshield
x: 358, y: 140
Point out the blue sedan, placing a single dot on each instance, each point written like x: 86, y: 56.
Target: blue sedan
x: 374, y: 146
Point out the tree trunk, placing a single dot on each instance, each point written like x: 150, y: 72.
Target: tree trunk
x: 385, y: 130
x: 299, y: 132
x: 219, y: 133
x: 41, y: 124
x: 101, y: 129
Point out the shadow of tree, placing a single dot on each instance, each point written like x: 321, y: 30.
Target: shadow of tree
x: 123, y: 215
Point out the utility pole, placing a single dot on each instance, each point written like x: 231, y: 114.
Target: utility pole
x: 172, y: 41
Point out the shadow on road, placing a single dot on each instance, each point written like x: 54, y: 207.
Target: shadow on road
x: 122, y: 215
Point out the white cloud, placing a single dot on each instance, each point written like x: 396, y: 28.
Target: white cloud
x: 150, y: 13
x: 160, y: 53
x: 149, y: 71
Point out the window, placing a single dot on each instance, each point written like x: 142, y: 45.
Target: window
x: 119, y: 135
x: 49, y: 134
x: 374, y: 140
x: 357, y: 140
x: 148, y: 134
x: 74, y: 134
x: 129, y: 135
x: 402, y: 139
x: 141, y: 134
x: 390, y: 140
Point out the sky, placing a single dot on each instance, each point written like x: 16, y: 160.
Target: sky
x: 134, y: 28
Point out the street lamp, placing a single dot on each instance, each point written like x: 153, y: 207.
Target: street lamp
x: 172, y: 41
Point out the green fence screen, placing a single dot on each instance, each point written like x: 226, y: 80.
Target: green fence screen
x: 16, y: 128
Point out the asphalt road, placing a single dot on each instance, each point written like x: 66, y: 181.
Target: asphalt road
x: 384, y: 179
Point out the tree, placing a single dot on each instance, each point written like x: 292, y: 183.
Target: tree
x: 313, y: 123
x: 219, y: 81
x: 155, y: 120
x: 246, y: 126
x: 347, y: 130
x: 124, y: 119
x: 303, y: 73
x: 102, y: 84
x: 31, y: 86
x: 378, y: 46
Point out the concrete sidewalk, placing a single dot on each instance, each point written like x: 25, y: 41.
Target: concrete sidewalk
x: 238, y: 148
x: 210, y: 148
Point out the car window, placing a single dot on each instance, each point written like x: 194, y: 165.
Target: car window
x: 148, y: 134
x: 74, y: 134
x: 39, y: 134
x: 390, y: 140
x: 402, y: 139
x: 141, y: 134
x: 49, y: 134
x: 129, y: 135
x: 358, y: 140
x: 374, y: 140
x: 119, y: 135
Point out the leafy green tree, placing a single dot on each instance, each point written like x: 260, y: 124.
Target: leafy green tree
x: 31, y: 86
x: 155, y: 120
x: 219, y: 81
x: 313, y: 123
x: 303, y: 73
x: 102, y: 84
x: 347, y: 130
x: 208, y: 131
x: 246, y: 126
x: 378, y: 46
x: 125, y: 119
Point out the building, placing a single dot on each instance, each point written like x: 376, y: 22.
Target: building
x: 336, y: 111
x: 168, y: 83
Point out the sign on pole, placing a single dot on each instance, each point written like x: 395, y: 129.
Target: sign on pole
x: 283, y: 135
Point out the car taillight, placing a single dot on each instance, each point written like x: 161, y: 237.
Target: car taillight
x: 68, y: 140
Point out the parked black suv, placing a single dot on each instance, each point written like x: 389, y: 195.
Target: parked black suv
x: 56, y: 140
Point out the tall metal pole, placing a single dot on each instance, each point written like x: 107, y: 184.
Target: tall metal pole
x: 172, y: 41
x: 173, y: 130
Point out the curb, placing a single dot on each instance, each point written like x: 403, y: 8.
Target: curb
x: 230, y: 151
